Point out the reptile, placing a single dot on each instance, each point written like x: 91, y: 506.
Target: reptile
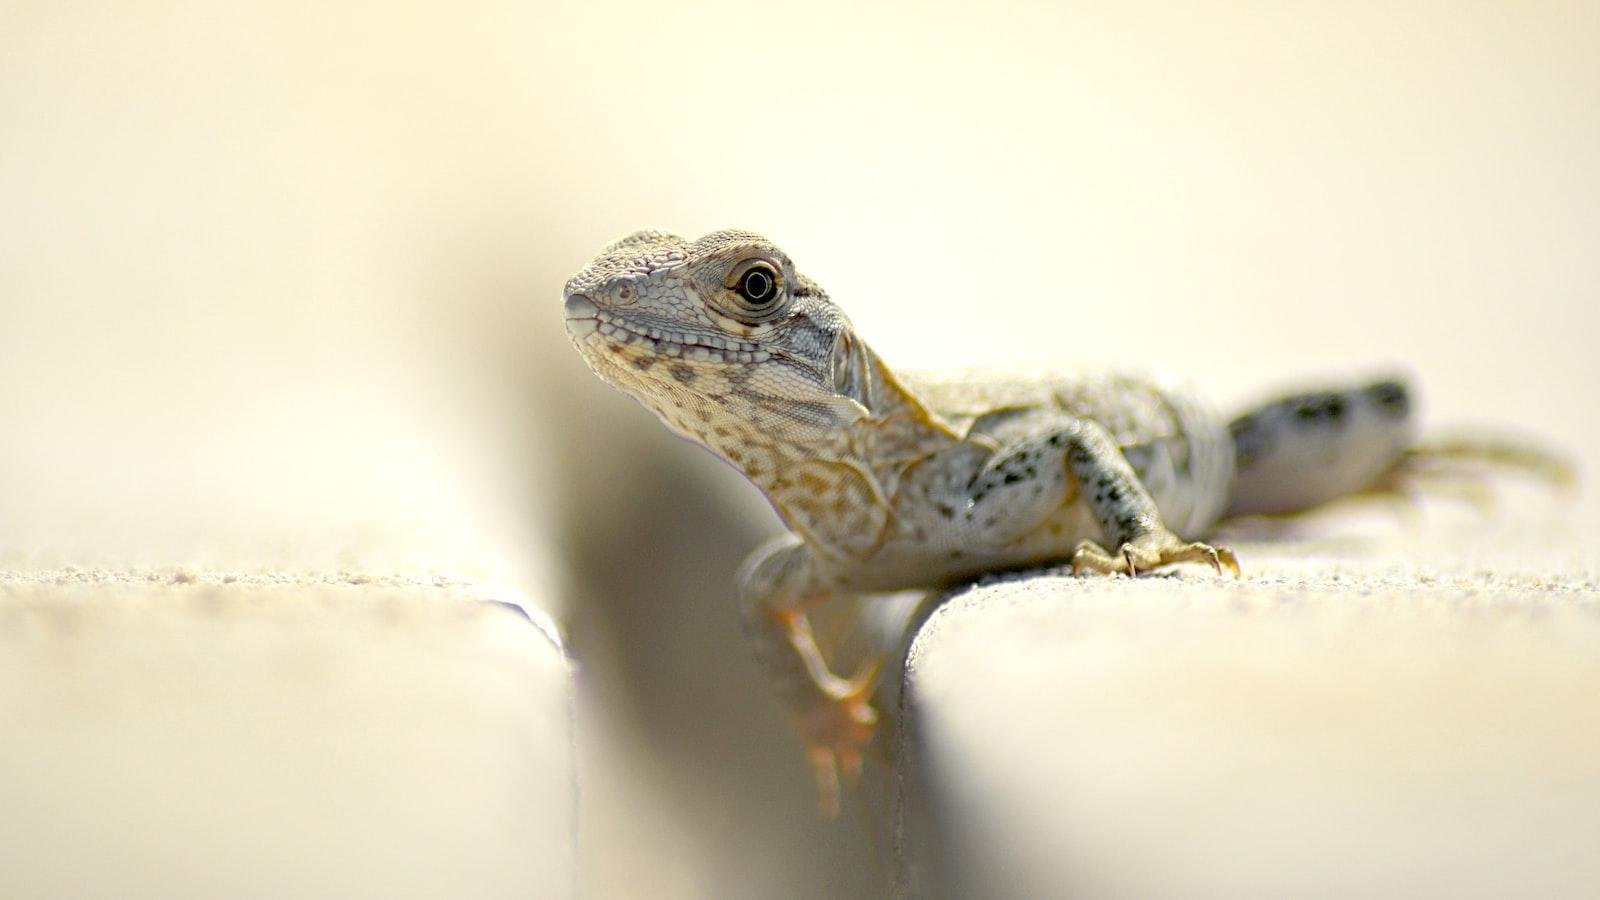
x: 892, y: 480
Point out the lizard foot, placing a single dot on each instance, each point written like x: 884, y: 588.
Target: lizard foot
x: 836, y: 730
x: 1151, y: 551
x: 1464, y: 469
x: 1459, y: 455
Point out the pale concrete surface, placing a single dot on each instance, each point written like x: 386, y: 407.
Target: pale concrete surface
x: 174, y: 733
x: 279, y: 285
x: 1410, y: 717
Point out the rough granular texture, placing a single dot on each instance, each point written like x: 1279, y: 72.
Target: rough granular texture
x: 1417, y: 718
x: 180, y: 732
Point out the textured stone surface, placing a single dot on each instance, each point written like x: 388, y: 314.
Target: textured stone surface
x: 173, y: 733
x: 1415, y: 718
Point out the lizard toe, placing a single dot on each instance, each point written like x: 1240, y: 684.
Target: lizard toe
x: 836, y: 731
x: 1158, y: 549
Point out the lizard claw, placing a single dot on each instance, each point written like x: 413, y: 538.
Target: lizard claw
x: 1151, y: 551
x: 836, y: 730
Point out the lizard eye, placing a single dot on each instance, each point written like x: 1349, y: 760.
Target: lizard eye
x: 754, y: 292
x: 759, y: 285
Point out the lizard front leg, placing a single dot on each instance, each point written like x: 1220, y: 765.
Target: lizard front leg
x: 1127, y: 514
x: 833, y: 715
x: 1078, y: 461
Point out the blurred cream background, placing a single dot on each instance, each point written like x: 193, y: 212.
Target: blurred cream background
x: 279, y: 284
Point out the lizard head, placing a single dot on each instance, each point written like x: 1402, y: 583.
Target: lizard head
x: 719, y: 336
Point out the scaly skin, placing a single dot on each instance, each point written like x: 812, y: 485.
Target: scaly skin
x: 880, y: 491
x: 890, y: 482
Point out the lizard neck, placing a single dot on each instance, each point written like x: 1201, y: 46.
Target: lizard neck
x: 891, y: 426
x: 836, y: 487
x: 899, y: 428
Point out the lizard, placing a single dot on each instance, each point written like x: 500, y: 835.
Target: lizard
x: 892, y: 480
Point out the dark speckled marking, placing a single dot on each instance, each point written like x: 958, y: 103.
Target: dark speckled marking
x: 1252, y: 440
x: 1319, y: 408
x: 1390, y: 397
x: 684, y: 374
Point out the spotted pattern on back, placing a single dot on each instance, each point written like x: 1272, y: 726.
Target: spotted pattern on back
x: 853, y: 457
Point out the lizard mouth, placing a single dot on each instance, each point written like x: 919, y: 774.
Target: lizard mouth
x: 582, y: 316
x: 584, y: 319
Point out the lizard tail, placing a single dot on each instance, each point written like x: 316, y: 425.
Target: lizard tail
x: 1308, y: 449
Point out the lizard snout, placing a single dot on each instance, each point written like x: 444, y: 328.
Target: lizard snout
x: 581, y: 315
